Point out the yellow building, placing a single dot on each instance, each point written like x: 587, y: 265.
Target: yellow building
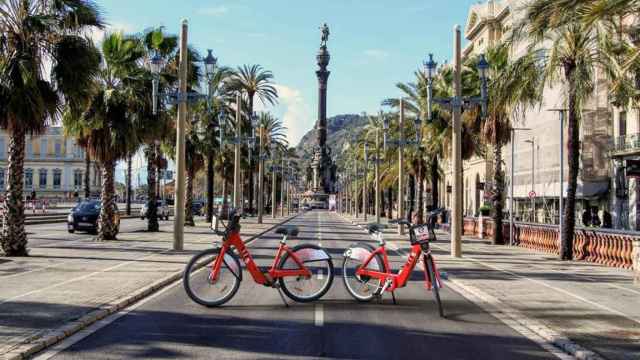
x: 54, y: 165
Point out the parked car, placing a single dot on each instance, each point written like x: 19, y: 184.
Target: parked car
x: 306, y: 207
x: 162, y: 209
x: 197, y: 208
x: 85, y: 216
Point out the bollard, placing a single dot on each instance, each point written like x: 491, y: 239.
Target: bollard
x: 636, y: 261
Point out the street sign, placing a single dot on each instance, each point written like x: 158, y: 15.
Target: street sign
x: 532, y: 194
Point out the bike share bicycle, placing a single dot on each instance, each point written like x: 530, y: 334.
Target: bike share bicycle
x: 366, y: 271
x: 212, y: 277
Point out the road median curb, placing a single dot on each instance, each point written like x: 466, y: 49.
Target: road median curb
x: 56, y: 335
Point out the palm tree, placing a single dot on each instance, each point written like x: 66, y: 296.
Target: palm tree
x: 33, y: 33
x: 108, y: 123
x: 569, y: 60
x: 514, y: 86
x: 254, y: 80
x: 155, y: 128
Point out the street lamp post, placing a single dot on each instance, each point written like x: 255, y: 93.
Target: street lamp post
x: 455, y: 105
x: 511, y: 204
x: 533, y: 171
x: 180, y: 98
x: 561, y: 114
x: 400, y: 143
x: 365, y: 195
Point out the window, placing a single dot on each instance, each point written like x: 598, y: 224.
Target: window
x: 42, y: 178
x: 2, y: 180
x: 43, y: 148
x: 77, y: 179
x: 622, y: 124
x: 28, y: 179
x: 58, y: 150
x: 29, y: 149
x: 57, y: 178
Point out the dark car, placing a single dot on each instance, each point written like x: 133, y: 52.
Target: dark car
x: 85, y: 216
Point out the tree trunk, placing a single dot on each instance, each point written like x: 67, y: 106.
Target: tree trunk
x: 87, y: 175
x: 188, y: 207
x: 412, y: 197
x: 128, y: 194
x: 14, y: 237
x: 383, y: 209
x: 224, y: 191
x: 108, y: 229
x: 210, y: 179
x: 152, y: 198
x: 498, y: 198
x: 390, y: 202
x: 420, y: 210
x: 435, y: 179
x: 250, y: 186
x: 573, y: 145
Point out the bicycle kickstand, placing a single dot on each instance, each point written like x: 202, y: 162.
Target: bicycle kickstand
x: 282, y: 297
x: 393, y: 296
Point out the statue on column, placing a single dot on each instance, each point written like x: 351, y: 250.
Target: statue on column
x: 325, y: 35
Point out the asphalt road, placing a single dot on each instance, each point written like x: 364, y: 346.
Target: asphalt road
x: 255, y: 324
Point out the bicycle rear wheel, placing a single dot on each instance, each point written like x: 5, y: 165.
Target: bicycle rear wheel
x: 306, y: 289
x: 200, y: 286
x: 362, y: 288
x: 435, y: 285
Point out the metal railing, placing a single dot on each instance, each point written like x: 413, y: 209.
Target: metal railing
x: 627, y: 143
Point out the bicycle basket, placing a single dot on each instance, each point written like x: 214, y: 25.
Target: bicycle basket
x: 423, y: 234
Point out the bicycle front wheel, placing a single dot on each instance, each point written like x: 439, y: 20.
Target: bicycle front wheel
x: 307, y: 288
x: 435, y: 285
x: 200, y: 284
x: 362, y: 288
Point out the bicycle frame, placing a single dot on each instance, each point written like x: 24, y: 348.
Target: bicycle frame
x: 397, y: 280
x: 233, y: 239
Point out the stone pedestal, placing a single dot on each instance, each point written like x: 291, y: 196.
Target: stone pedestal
x: 636, y: 261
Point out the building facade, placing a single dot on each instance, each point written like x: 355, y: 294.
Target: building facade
x: 609, y: 137
x: 54, y: 166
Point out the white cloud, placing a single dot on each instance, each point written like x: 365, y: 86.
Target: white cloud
x: 97, y: 35
x: 296, y: 113
x: 377, y: 54
x: 214, y: 10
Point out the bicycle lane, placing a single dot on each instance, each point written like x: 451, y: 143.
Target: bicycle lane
x: 253, y: 324
x: 413, y: 328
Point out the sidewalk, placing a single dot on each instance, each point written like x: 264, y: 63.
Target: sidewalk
x: 64, y: 286
x: 595, y: 307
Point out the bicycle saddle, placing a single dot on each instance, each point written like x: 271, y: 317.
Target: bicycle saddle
x: 289, y: 230
x: 375, y: 228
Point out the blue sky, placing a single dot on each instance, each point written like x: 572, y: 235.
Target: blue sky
x: 373, y: 44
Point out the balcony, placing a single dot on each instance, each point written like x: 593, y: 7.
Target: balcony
x: 626, y: 145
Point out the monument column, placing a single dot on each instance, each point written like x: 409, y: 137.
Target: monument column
x: 322, y: 73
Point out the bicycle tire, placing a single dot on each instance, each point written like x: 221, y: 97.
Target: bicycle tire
x: 323, y: 289
x: 435, y: 287
x: 346, y: 272
x: 195, y: 266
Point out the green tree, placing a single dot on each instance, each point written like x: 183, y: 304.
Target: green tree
x: 568, y: 53
x: 108, y: 122
x: 254, y: 81
x: 32, y: 35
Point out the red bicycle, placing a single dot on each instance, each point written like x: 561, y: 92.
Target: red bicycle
x: 212, y: 277
x: 366, y: 271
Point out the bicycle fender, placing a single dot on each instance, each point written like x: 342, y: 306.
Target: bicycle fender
x: 311, y: 254
x: 233, y: 265
x: 361, y: 252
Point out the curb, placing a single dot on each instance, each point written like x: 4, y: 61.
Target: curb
x: 54, y: 336
x: 509, y: 315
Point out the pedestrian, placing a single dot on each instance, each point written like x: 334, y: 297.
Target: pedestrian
x: 595, y: 219
x: 586, y: 217
x: 607, y: 221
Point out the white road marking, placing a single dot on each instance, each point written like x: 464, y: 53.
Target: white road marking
x: 80, y: 335
x: 319, y: 315
x: 81, y: 277
x: 539, y: 282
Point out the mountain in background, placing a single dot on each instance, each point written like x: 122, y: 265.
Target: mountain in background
x: 341, y: 129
